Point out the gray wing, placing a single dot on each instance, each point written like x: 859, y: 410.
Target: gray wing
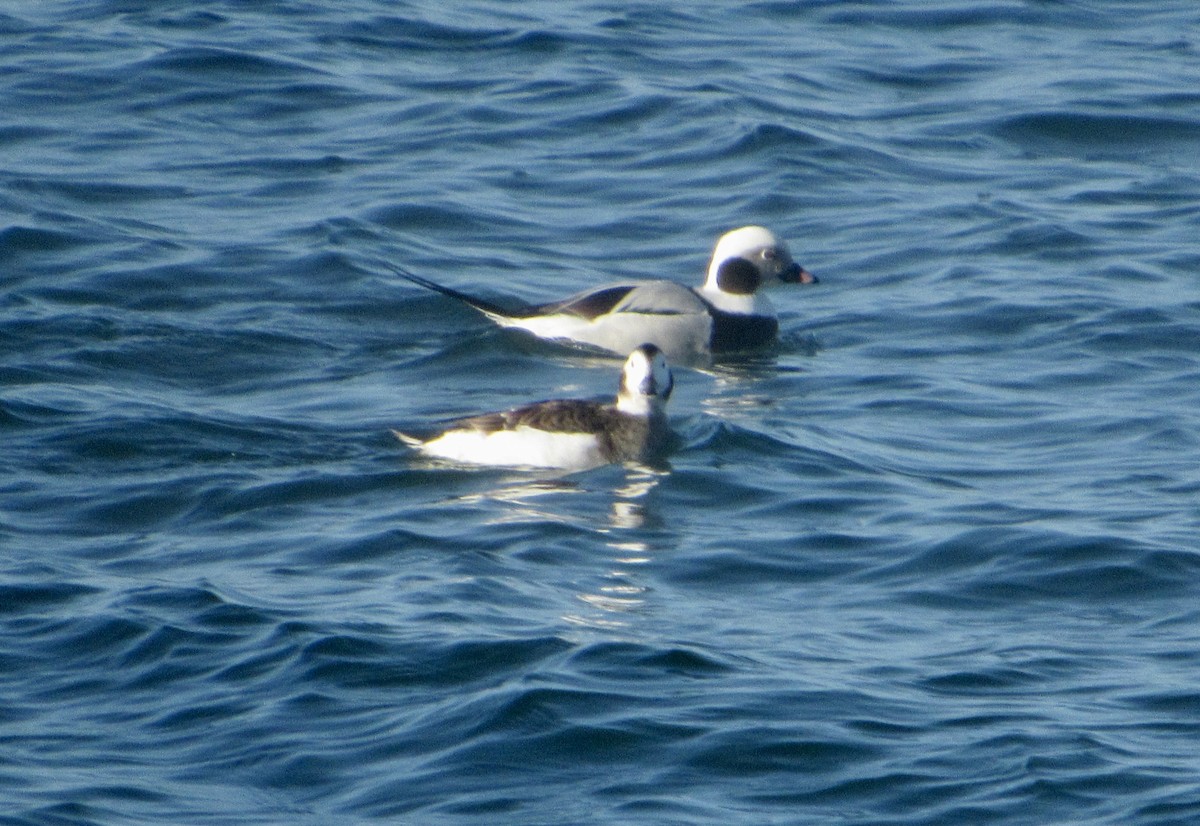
x: 662, y: 298
x: 651, y: 297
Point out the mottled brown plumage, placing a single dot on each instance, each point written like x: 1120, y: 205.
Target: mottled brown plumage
x: 621, y: 436
x: 569, y: 433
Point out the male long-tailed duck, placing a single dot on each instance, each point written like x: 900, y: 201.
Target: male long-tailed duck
x: 571, y: 434
x: 729, y: 313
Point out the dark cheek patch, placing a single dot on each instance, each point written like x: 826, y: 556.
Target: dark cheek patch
x: 737, y: 276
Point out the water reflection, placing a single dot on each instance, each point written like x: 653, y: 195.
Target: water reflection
x: 542, y: 498
x: 522, y: 501
x: 630, y: 508
x: 621, y: 590
x: 626, y: 528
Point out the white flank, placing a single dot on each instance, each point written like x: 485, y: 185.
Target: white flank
x: 522, y: 447
x: 680, y: 336
x: 550, y: 326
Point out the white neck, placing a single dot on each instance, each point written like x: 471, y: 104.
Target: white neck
x: 639, y: 405
x: 757, y: 304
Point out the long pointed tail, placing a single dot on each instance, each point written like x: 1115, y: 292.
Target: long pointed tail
x: 411, y: 441
x: 491, y: 310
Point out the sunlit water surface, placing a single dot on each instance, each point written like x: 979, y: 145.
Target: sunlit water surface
x: 932, y: 560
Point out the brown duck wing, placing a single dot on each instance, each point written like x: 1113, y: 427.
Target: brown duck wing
x: 563, y: 416
x: 560, y: 416
x: 619, y: 437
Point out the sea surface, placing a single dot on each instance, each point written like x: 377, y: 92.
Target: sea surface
x: 934, y: 559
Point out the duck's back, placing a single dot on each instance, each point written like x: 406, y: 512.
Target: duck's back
x: 622, y: 317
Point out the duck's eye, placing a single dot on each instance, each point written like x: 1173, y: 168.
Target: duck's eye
x: 769, y: 254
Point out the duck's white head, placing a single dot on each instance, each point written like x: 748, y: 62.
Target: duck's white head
x: 747, y: 260
x: 646, y: 382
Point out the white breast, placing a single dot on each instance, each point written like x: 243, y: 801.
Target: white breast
x: 756, y: 304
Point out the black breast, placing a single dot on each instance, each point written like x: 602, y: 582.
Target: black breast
x: 731, y: 331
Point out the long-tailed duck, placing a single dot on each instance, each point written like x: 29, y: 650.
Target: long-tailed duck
x: 729, y: 313
x: 571, y: 434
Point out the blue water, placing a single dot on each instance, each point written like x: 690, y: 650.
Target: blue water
x: 934, y: 560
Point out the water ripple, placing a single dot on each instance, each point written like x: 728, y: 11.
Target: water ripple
x: 929, y: 560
